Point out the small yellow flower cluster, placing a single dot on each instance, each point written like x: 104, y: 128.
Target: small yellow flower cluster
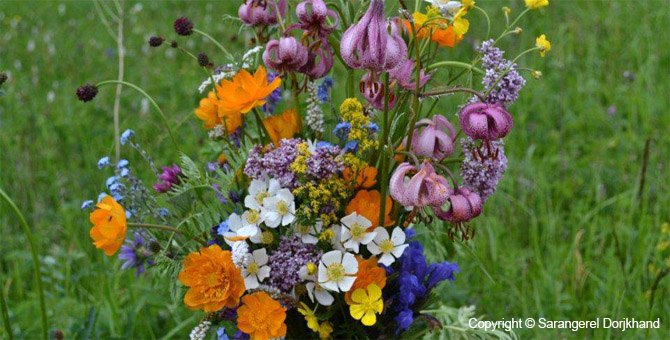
x: 332, y: 194
x: 352, y: 113
x: 299, y: 165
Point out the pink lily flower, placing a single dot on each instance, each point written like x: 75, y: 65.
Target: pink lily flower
x: 485, y: 121
x: 405, y: 77
x: 373, y: 91
x: 261, y: 12
x: 285, y: 54
x: 425, y: 188
x: 436, y: 138
x: 313, y: 15
x: 464, y: 206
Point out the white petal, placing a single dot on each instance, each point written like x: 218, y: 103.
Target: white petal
x: 333, y: 256
x: 249, y: 230
x: 345, y: 235
x: 346, y: 283
x: 398, y: 250
x: 386, y: 259
x: 309, y: 239
x: 234, y: 222
x: 302, y: 273
x: 285, y: 195
x: 310, y: 290
x: 374, y: 248
x: 323, y: 297
x: 332, y: 285
x: 350, y: 264
x: 273, y: 187
x: 367, y: 237
x: 250, y: 202
x: 272, y: 219
x: 270, y: 203
x: 318, y: 226
x: 364, y: 221
x: 353, y: 245
x: 263, y: 273
x: 260, y: 256
x: 350, y: 219
x: 398, y: 236
x: 382, y: 234
x: 323, y: 276
x: 287, y: 219
x: 251, y: 282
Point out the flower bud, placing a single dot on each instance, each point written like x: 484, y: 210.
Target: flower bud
x: 285, y: 54
x: 156, y: 41
x: 435, y: 140
x: 464, y: 206
x: 261, y: 12
x: 485, y: 121
x: 183, y: 26
x: 87, y: 92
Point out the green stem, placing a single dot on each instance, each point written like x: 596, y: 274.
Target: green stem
x: 261, y: 127
x: 223, y: 49
x: 36, y: 263
x: 5, y: 316
x: 384, y: 160
x: 456, y: 64
x: 488, y: 21
x: 453, y: 90
x: 153, y: 102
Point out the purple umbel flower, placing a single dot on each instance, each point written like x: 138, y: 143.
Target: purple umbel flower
x: 275, y: 163
x: 507, y: 89
x: 482, y: 168
x: 322, y: 162
x: 261, y: 12
x: 285, y: 54
x: 286, y: 261
x: 136, y: 253
x: 170, y: 177
x: 369, y: 45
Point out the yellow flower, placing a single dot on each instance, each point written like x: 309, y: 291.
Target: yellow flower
x: 543, y: 44
x: 312, y: 321
x: 506, y: 10
x: 261, y: 317
x: 325, y: 329
x: 282, y: 126
x: 245, y: 92
x: 468, y: 4
x: 367, y: 304
x: 460, y: 24
x: 535, y: 4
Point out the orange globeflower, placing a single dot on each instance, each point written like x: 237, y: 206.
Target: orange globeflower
x: 261, y: 316
x: 364, y: 179
x: 208, y: 111
x: 109, y: 226
x: 367, y: 204
x: 282, y: 126
x: 368, y: 273
x: 438, y: 30
x: 213, y: 280
x: 245, y: 92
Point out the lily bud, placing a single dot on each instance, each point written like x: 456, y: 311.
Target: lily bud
x: 285, y: 54
x: 464, y: 206
x: 261, y: 12
x: 485, y: 121
x: 404, y: 75
x: 313, y: 15
x: 373, y: 91
x: 436, y: 138
x: 425, y: 188
x: 369, y: 45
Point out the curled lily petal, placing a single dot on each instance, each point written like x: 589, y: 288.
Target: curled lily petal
x: 405, y: 76
x: 485, y: 121
x: 425, y: 188
x: 285, y: 54
x: 464, y: 206
x: 261, y: 12
x: 373, y: 91
x: 313, y: 16
x: 435, y: 140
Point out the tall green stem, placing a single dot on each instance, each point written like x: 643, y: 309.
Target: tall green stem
x: 261, y: 127
x: 153, y: 102
x: 384, y: 146
x: 218, y: 44
x: 5, y: 316
x: 36, y: 262
x: 455, y: 64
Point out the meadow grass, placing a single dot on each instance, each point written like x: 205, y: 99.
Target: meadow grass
x: 568, y: 236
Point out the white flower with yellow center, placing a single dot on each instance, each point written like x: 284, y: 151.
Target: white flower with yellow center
x: 278, y: 209
x: 355, y: 231
x: 256, y: 269
x: 239, y: 229
x: 391, y: 248
x: 260, y: 190
x: 309, y: 233
x: 314, y: 289
x: 337, y: 271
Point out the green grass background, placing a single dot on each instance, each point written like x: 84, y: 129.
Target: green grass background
x: 545, y: 239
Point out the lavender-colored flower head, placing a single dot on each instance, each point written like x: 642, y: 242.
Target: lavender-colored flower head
x: 436, y: 138
x: 464, y: 206
x: 425, y: 188
x: 285, y: 54
x: 313, y: 16
x: 483, y: 168
x: 136, y: 253
x: 261, y: 12
x: 323, y: 163
x: 506, y: 91
x: 286, y: 261
x: 319, y: 62
x: 405, y: 75
x: 373, y: 91
x: 369, y: 45
x: 168, y: 178
x: 275, y: 163
x: 485, y: 121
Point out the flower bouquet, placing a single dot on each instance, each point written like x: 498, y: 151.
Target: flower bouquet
x: 304, y: 223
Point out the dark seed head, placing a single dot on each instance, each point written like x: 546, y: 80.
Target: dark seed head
x: 155, y: 247
x: 183, y: 26
x: 156, y: 41
x: 174, y: 44
x: 87, y: 92
x: 58, y: 335
x: 3, y: 78
x: 203, y: 60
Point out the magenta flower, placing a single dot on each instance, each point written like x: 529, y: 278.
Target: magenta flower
x: 464, y: 206
x: 404, y: 75
x: 369, y: 45
x: 313, y: 15
x: 170, y: 177
x: 485, y: 121
x: 436, y: 138
x: 319, y: 62
x: 373, y: 91
x: 425, y: 188
x: 285, y: 54
x: 261, y: 12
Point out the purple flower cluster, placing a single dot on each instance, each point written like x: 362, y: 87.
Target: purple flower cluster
x: 506, y: 91
x: 286, y: 261
x: 413, y: 284
x: 482, y: 168
x: 322, y: 162
x: 274, y: 163
x: 170, y: 177
x: 136, y: 253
